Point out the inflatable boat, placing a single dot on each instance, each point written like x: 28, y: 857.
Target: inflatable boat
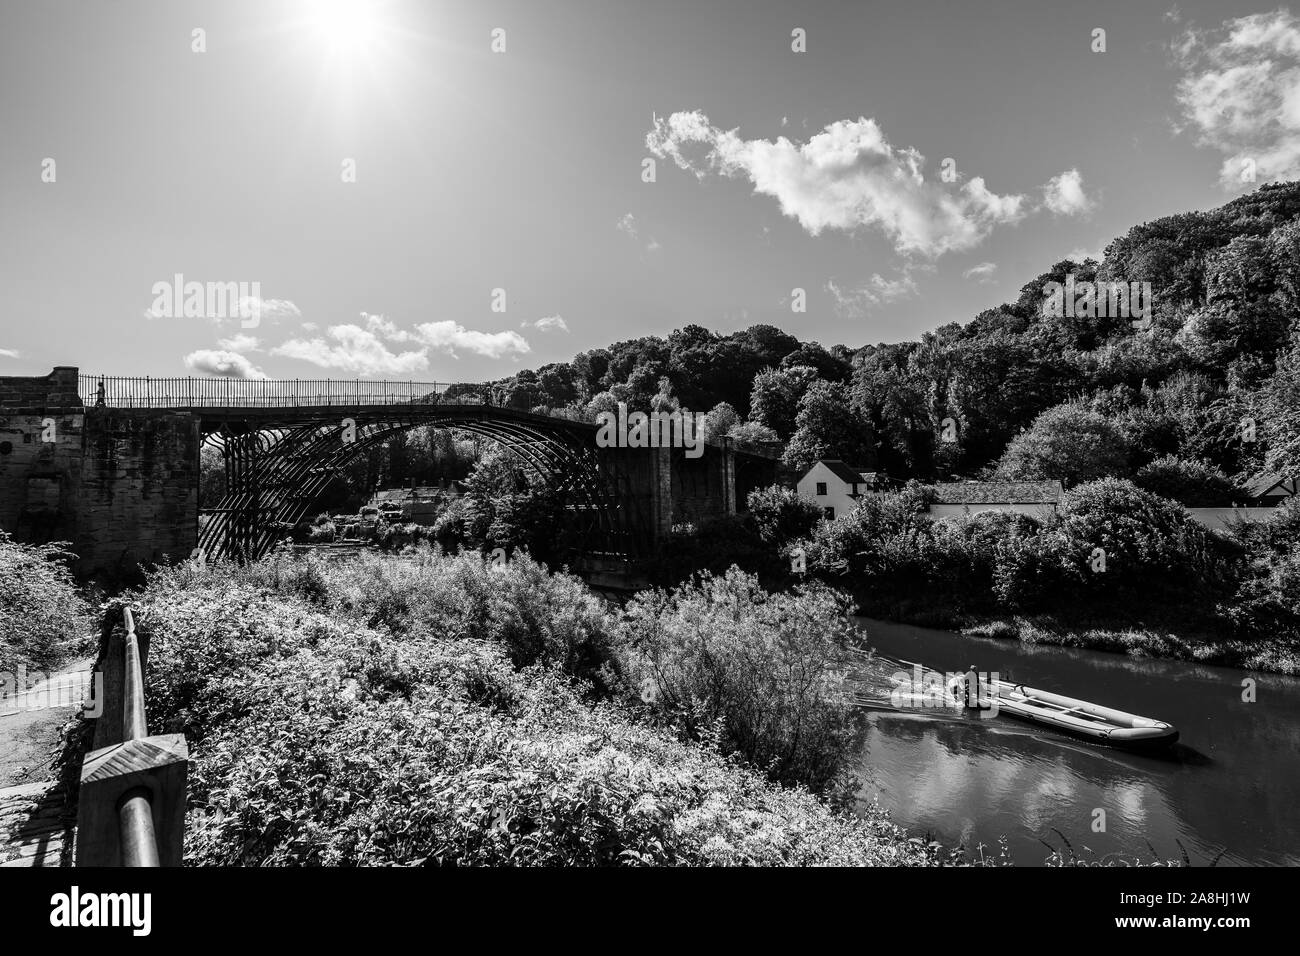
x: 1103, y: 724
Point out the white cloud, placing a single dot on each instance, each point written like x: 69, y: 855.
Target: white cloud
x: 224, y: 364
x: 310, y: 326
x: 452, y: 337
x: 1065, y: 195
x: 273, y: 309
x: 1240, y: 95
x: 983, y: 273
x: 356, y: 350
x: 876, y: 291
x: 208, y: 300
x: 9, y: 353
x: 365, y: 348
x: 628, y: 226
x: 239, y: 342
x: 846, y: 177
x: 547, y: 323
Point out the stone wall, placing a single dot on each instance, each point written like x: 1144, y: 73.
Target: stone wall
x: 139, y: 494
x: 41, y: 423
x: 121, y: 485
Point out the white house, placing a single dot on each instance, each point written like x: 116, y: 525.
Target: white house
x: 836, y: 487
x: 1036, y: 498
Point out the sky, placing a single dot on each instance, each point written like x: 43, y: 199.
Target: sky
x: 455, y: 191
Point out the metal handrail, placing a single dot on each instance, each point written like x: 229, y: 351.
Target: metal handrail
x: 194, y: 392
x: 135, y: 807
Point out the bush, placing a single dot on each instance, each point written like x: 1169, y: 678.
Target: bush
x: 1153, y: 549
x: 43, y: 617
x: 535, y: 616
x: 1038, y: 571
x: 1195, y: 484
x: 322, y: 532
x: 781, y: 514
x: 971, y: 549
x: 883, y: 549
x: 319, y: 741
x: 1268, y: 600
x: 763, y: 669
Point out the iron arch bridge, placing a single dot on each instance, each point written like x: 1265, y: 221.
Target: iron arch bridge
x: 284, y: 442
x: 278, y: 466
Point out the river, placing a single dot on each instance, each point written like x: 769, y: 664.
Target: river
x: 1229, y: 789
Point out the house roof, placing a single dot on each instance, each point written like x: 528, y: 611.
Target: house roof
x: 1263, y: 484
x: 998, y: 492
x: 838, y: 469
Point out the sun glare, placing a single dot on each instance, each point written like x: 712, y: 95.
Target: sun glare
x: 345, y: 28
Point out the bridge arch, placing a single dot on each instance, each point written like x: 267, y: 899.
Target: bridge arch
x: 277, y: 473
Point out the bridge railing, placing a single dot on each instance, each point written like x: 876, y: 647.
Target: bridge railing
x: 131, y: 802
x: 194, y: 392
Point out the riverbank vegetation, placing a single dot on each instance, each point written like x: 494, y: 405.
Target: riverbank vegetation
x: 1114, y: 568
x: 437, y: 710
x: 44, y: 616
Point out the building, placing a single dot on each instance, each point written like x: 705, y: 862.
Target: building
x: 1270, y: 490
x: 1261, y: 496
x: 420, y: 505
x: 1036, y: 498
x: 837, y: 488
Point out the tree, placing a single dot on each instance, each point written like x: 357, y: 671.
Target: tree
x: 601, y: 402
x: 558, y: 383
x: 720, y: 420
x: 774, y: 398
x: 781, y: 514
x: 1280, y: 414
x: 212, y: 476
x: 1069, y: 442
x: 589, y: 370
x: 752, y: 432
x: 827, y: 426
x: 827, y: 366
x: 508, y: 505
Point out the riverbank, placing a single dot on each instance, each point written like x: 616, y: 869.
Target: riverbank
x: 1166, y: 642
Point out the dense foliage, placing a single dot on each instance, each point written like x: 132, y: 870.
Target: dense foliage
x: 43, y: 616
x: 1220, y: 347
x: 763, y: 670
x: 423, y: 712
x: 1113, y: 556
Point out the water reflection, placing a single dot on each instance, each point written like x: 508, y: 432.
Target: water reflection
x: 1230, y: 786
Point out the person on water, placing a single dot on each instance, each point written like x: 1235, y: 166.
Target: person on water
x: 972, y: 688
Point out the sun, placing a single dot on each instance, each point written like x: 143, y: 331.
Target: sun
x: 346, y: 28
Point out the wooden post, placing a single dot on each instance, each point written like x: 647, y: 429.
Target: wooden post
x: 110, y: 781
x: 131, y: 804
